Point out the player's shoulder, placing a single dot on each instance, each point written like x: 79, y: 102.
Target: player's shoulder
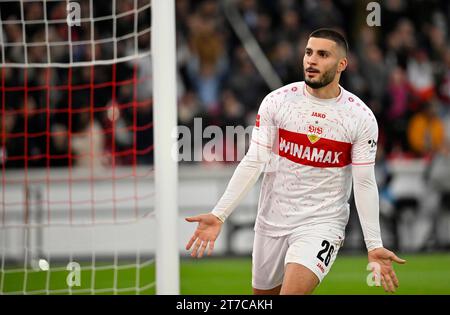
x: 285, y: 92
x: 357, y: 106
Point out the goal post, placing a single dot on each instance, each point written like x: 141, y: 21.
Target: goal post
x: 165, y: 121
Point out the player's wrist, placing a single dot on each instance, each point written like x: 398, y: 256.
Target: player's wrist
x: 219, y: 217
x: 371, y: 245
x: 369, y: 251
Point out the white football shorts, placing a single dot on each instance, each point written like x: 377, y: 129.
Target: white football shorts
x: 314, y: 248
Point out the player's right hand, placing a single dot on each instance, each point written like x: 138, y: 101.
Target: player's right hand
x: 207, y: 231
x: 384, y: 258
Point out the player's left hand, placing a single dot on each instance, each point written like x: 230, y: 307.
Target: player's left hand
x: 384, y: 259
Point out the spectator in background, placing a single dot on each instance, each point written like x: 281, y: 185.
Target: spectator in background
x: 233, y: 110
x: 400, y: 43
x: 233, y: 115
x: 392, y: 12
x: 263, y: 32
x: 353, y: 78
x: 284, y: 63
x: 189, y: 108
x: 421, y: 77
x: 290, y: 26
x: 245, y: 81
x: 119, y: 136
x: 323, y: 13
x: 375, y: 73
x: 249, y: 10
x: 444, y: 86
x: 207, y: 81
x: 59, y: 12
x: 426, y: 131
x: 34, y: 116
x: 144, y: 132
x: 13, y: 34
x: 208, y: 65
x: 87, y: 144
x: 12, y: 149
x: 374, y: 70
x: 59, y: 145
x: 436, y: 43
x: 183, y: 10
x: 397, y: 112
x: 33, y: 12
x: 446, y: 147
x: 125, y: 24
x: 367, y: 37
x: 144, y: 72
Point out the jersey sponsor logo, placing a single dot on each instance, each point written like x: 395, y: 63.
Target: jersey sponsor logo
x: 298, y: 148
x: 320, y: 115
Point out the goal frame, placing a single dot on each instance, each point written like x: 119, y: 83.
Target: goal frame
x: 163, y: 52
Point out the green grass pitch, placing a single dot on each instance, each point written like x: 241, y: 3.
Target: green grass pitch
x: 423, y: 274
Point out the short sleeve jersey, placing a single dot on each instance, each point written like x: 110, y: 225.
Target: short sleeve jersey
x: 314, y: 143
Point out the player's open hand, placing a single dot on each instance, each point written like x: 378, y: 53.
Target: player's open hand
x: 384, y: 259
x: 207, y: 231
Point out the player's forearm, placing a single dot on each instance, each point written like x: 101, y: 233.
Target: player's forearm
x: 243, y: 179
x: 367, y: 204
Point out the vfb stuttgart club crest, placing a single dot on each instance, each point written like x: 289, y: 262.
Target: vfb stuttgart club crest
x: 314, y: 133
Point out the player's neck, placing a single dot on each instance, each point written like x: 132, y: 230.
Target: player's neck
x: 332, y: 90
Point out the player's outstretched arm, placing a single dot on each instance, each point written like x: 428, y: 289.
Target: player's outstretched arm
x: 243, y: 179
x: 384, y: 258
x: 205, y: 235
x: 366, y: 198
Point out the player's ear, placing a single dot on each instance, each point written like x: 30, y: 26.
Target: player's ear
x: 342, y: 65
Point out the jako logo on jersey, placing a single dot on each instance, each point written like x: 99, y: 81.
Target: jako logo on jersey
x: 325, y: 153
x: 320, y: 115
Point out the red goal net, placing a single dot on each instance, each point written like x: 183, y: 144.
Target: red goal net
x: 76, y: 149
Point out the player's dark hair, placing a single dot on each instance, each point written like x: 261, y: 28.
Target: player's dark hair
x: 333, y: 35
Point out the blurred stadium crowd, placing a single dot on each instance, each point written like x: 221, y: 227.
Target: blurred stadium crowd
x: 401, y: 69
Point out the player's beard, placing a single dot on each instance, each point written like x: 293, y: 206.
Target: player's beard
x: 324, y: 80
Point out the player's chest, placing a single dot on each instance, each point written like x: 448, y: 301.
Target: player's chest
x: 317, y: 121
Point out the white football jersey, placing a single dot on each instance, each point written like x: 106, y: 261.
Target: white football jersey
x: 314, y: 143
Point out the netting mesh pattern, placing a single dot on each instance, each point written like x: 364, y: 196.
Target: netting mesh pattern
x: 63, y: 33
x: 76, y: 146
